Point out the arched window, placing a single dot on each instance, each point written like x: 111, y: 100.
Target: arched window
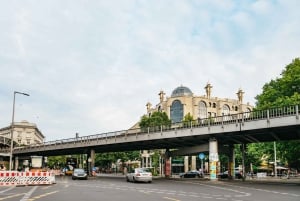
x: 176, y: 111
x: 247, y: 113
x: 202, y: 110
x: 226, y: 110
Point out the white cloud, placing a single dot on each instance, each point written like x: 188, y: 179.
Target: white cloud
x: 92, y: 67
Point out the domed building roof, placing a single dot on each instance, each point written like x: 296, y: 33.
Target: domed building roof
x: 181, y: 91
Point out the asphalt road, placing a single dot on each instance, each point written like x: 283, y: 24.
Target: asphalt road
x: 117, y: 189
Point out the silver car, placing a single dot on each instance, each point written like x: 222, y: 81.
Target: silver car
x: 79, y: 173
x: 139, y: 175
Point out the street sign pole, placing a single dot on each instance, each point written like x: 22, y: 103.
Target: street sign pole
x: 201, y: 157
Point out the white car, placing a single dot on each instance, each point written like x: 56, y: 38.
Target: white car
x: 139, y: 175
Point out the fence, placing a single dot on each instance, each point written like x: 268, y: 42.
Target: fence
x: 10, y: 178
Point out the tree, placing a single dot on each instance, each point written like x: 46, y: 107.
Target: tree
x: 154, y: 121
x: 187, y: 119
x: 105, y: 160
x: 282, y: 91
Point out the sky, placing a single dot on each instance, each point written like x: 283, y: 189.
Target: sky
x: 90, y: 66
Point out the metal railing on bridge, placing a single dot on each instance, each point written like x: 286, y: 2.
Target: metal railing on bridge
x: 206, y: 122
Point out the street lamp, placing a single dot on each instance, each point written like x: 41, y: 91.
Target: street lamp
x: 89, y: 165
x: 12, y: 129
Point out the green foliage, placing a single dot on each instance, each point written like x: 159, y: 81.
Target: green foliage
x: 106, y: 159
x: 280, y: 92
x: 188, y: 118
x: 56, y: 161
x: 155, y: 120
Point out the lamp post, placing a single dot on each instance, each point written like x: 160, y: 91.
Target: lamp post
x: 275, y: 160
x: 12, y: 129
x: 89, y: 166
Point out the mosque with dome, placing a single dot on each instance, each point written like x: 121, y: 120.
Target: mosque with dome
x: 182, y: 102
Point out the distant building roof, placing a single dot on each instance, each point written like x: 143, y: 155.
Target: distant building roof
x: 181, y: 91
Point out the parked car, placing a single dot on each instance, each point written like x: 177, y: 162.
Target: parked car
x: 139, y: 175
x: 191, y: 174
x: 224, y: 175
x: 79, y: 173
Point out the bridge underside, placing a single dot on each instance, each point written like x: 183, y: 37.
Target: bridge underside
x: 227, y: 138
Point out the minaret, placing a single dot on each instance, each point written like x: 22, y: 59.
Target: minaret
x: 148, y: 105
x: 161, y: 96
x: 240, y: 95
x: 208, y: 88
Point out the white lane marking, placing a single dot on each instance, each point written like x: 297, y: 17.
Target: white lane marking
x: 27, y: 195
x: 10, y: 188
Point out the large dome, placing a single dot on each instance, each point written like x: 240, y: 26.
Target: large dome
x: 181, y: 91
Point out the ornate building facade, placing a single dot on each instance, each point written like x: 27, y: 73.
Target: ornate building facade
x: 24, y: 133
x: 183, y: 102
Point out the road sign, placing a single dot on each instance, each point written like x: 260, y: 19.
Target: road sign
x: 201, y: 156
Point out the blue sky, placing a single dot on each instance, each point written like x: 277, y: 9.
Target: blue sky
x: 91, y: 66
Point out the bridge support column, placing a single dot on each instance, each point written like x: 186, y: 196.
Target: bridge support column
x: 231, y: 164
x: 186, y: 163
x: 92, y: 159
x: 167, y: 164
x: 193, y: 163
x: 213, y: 158
x: 16, y: 163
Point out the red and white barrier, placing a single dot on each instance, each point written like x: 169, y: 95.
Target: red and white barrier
x: 10, y: 178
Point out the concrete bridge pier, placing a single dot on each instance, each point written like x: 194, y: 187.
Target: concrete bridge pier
x: 90, y: 161
x: 167, y: 165
x: 213, y: 158
x: 231, y: 162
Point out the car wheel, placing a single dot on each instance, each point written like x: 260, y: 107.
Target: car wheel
x: 127, y: 179
x: 133, y: 179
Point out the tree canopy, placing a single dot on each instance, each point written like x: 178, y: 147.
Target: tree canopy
x: 156, y: 119
x: 284, y: 90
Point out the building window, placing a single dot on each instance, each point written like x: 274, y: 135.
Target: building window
x: 202, y: 110
x: 176, y: 111
x: 247, y: 113
x: 28, y: 141
x: 226, y: 110
x: 236, y: 108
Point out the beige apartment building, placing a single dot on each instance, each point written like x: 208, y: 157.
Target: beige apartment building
x: 183, y: 101
x: 24, y: 133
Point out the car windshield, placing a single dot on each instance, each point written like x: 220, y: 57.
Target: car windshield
x: 79, y: 171
x: 143, y: 171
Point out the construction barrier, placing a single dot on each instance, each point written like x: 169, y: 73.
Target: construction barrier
x: 10, y: 178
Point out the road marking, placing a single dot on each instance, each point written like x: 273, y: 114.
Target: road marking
x: 10, y: 188
x: 171, y: 199
x: 11, y: 196
x: 41, y: 196
x: 27, y: 195
x: 44, y: 195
